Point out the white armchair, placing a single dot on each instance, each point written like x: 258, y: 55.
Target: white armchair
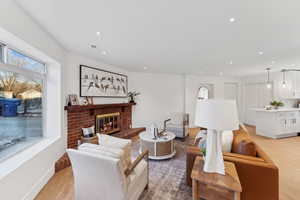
x: 102, y: 175
x: 179, y: 124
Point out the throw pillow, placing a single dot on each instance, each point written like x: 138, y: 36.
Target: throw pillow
x: 247, y: 147
x: 114, y: 142
x: 88, y: 132
x: 200, y: 136
x: 227, y: 138
x: 242, y: 144
x: 106, y: 151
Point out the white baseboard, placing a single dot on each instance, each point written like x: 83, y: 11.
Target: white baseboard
x: 39, y: 185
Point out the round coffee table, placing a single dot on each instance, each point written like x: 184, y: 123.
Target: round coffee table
x: 160, y: 148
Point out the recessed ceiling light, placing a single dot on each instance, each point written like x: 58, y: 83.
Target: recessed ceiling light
x: 145, y: 68
x: 103, y: 52
x: 98, y: 33
x: 260, y: 53
x: 93, y: 46
x: 232, y: 19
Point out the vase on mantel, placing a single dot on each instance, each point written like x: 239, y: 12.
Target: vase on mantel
x: 131, y: 99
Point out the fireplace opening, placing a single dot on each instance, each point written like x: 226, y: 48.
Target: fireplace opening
x: 108, y: 123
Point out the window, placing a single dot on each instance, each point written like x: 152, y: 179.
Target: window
x: 203, y: 93
x: 20, y: 60
x: 1, y: 53
x: 22, y: 81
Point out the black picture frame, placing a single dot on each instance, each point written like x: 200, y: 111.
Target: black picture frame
x: 111, y: 74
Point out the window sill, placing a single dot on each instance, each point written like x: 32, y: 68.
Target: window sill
x: 11, y: 164
x: 20, y: 146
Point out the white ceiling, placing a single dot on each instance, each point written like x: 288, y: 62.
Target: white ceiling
x: 176, y: 36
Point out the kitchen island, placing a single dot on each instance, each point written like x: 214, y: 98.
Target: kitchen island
x: 277, y: 123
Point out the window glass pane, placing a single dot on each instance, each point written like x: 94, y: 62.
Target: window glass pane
x: 21, y: 60
x: 20, y: 112
x: 1, y: 53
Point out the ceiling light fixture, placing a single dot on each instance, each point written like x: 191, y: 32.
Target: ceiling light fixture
x: 145, y: 68
x: 231, y: 62
x: 269, y: 85
x: 283, y: 78
x: 104, y: 53
x: 93, y: 46
x: 98, y: 33
x: 232, y: 19
x: 260, y: 53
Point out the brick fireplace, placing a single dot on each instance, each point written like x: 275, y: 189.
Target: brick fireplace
x: 114, y: 119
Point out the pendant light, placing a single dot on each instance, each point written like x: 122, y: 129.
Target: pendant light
x: 283, y: 79
x: 269, y: 85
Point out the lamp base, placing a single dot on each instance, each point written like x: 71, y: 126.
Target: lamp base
x: 214, y: 162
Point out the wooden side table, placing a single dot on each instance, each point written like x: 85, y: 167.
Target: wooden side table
x: 215, y: 186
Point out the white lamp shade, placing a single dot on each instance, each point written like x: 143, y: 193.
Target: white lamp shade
x: 217, y: 114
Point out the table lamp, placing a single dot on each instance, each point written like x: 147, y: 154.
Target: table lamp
x: 216, y: 115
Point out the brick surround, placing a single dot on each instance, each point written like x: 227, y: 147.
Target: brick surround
x: 84, y: 116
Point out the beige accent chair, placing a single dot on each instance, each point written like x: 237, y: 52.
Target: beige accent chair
x: 103, y: 172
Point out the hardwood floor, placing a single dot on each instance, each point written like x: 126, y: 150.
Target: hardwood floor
x: 284, y: 152
x: 60, y: 187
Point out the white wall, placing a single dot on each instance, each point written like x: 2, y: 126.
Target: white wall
x: 71, y: 76
x: 25, y: 180
x: 161, y: 94
x: 14, y: 20
x: 193, y: 83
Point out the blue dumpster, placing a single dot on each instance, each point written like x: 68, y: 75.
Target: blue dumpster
x: 9, y: 107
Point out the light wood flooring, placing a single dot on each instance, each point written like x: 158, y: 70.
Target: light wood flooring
x: 284, y: 152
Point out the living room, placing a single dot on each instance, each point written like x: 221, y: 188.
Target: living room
x: 149, y: 62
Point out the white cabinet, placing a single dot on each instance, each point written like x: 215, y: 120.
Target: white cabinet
x: 289, y: 122
x: 277, y: 124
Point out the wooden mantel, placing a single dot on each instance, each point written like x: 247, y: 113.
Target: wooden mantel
x: 96, y: 106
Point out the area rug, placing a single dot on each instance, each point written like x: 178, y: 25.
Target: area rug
x: 167, y: 177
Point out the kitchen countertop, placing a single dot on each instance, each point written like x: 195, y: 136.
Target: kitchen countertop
x: 275, y: 110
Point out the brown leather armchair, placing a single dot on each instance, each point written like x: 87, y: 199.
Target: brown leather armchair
x: 258, y: 174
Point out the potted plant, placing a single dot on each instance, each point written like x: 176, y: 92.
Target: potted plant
x: 276, y: 104
x: 132, y: 95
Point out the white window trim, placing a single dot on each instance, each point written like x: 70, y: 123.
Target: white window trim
x: 32, y: 75
x: 53, y: 107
